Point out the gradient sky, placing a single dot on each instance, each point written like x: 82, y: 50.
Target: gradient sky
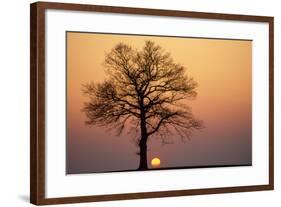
x: 222, y: 69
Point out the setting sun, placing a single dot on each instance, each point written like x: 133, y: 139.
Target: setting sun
x: 155, y: 162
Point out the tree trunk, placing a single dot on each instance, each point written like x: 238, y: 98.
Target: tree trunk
x: 143, y: 154
x: 143, y: 141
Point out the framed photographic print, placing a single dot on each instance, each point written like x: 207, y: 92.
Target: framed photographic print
x: 131, y: 103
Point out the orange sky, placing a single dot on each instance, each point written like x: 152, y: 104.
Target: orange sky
x: 222, y: 69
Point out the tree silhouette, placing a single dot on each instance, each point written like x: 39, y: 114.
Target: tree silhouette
x: 145, y: 89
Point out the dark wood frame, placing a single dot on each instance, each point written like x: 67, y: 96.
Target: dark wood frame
x: 37, y: 102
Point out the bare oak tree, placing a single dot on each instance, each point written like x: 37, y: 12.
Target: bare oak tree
x: 145, y: 89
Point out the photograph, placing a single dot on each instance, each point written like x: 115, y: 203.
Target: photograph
x: 143, y: 102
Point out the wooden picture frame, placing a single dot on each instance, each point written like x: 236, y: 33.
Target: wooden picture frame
x: 38, y: 98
